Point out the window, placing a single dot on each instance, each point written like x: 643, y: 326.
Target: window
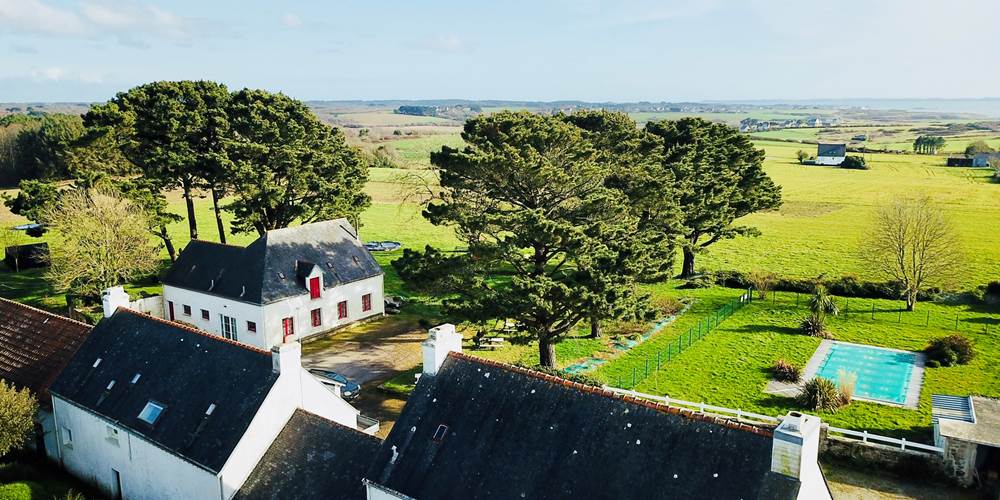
x: 342, y: 309
x: 440, y: 433
x: 151, y: 412
x: 314, y: 288
x: 251, y: 326
x: 204, y: 314
x: 317, y: 319
x: 112, y: 435
x: 229, y: 327
x: 366, y: 302
x: 287, y: 328
x: 170, y: 308
x: 187, y: 310
x: 67, y: 437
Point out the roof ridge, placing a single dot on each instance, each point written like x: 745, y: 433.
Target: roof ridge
x: 182, y: 326
x: 47, y: 313
x: 600, y: 391
x: 233, y: 245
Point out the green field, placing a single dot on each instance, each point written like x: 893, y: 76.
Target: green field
x: 890, y: 138
x: 415, y: 153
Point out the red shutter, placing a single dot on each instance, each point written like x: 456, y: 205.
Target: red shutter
x: 288, y: 327
x: 366, y: 302
x: 316, y: 318
x: 314, y: 287
x: 342, y: 310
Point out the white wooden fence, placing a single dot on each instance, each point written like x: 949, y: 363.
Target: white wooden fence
x: 864, y: 436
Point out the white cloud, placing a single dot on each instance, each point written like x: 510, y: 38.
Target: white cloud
x: 51, y: 73
x: 291, y: 20
x: 443, y: 43
x: 105, y: 16
x: 29, y: 16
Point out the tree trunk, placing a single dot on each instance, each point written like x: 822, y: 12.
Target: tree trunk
x: 687, y: 268
x: 168, y: 243
x: 911, y: 300
x: 595, y: 326
x: 218, y: 215
x: 189, y: 201
x: 546, y: 353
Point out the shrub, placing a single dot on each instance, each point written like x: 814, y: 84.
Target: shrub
x: 17, y: 413
x: 950, y: 350
x: 699, y: 281
x: 854, y: 162
x: 666, y: 305
x: 814, y: 326
x: 932, y: 363
x: 820, y: 394
x: 572, y: 377
x: 783, y: 371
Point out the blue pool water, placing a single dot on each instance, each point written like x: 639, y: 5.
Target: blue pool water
x: 883, y: 375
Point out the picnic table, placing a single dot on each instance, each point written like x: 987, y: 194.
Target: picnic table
x: 491, y: 342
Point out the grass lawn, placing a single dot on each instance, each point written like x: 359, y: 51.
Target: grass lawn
x: 415, y: 153
x: 730, y: 366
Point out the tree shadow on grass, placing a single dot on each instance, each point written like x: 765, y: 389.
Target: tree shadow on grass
x: 785, y: 330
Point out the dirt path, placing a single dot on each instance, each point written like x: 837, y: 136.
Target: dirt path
x: 371, y: 352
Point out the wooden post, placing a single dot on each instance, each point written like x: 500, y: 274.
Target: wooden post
x: 927, y: 321
x: 873, y: 311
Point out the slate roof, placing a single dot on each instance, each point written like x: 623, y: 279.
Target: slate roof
x: 184, y: 369
x: 515, y: 433
x: 271, y: 268
x: 35, y: 346
x: 831, y: 149
x: 312, y: 458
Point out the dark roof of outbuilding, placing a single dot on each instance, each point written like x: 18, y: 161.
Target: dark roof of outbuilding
x: 831, y: 149
x: 514, y: 433
x: 35, y: 346
x: 183, y: 369
x: 312, y: 458
x: 272, y: 267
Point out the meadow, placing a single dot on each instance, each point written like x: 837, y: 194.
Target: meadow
x: 889, y: 137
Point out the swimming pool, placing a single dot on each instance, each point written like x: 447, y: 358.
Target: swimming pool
x: 885, y: 375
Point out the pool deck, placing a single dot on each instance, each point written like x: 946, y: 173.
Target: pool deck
x: 816, y: 361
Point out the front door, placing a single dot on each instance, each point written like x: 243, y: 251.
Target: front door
x: 116, y: 485
x: 170, y: 306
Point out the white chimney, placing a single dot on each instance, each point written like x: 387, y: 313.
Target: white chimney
x: 441, y: 340
x: 795, y: 453
x: 113, y: 298
x: 286, y: 358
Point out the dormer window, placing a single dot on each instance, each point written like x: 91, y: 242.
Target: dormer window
x: 151, y: 412
x: 314, y: 287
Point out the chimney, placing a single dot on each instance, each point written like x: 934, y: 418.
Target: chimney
x: 795, y: 453
x: 286, y: 358
x: 113, y: 298
x: 441, y: 340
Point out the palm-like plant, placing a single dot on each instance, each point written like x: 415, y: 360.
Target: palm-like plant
x: 821, y: 303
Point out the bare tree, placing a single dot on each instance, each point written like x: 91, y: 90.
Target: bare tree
x: 912, y: 244
x: 762, y: 282
x: 102, y: 241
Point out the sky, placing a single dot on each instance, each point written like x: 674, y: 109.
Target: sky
x: 593, y: 50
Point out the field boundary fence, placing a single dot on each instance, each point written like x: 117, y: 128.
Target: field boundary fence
x: 662, y: 358
x: 875, y: 310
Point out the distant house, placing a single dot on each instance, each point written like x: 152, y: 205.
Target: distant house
x: 830, y: 154
x: 986, y: 160
x: 860, y: 138
x: 150, y: 409
x: 287, y: 285
x: 34, y: 347
x: 532, y: 435
x: 959, y: 161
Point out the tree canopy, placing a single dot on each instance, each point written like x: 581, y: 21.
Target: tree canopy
x: 529, y: 196
x: 288, y: 166
x: 716, y: 176
x: 928, y: 144
x: 17, y: 417
x: 977, y: 147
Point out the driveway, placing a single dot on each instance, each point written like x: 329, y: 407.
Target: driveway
x: 371, y: 352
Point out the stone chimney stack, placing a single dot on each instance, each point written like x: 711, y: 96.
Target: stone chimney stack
x: 441, y: 340
x: 286, y: 358
x: 113, y: 298
x: 795, y: 453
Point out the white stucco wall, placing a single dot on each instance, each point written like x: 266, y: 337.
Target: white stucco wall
x: 268, y: 317
x: 49, y: 437
x: 146, y: 470
x: 829, y: 160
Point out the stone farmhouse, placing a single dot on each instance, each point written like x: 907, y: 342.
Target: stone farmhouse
x: 288, y: 285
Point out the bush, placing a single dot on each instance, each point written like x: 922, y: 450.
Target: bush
x: 932, y: 363
x: 572, y: 377
x: 666, y: 305
x: 762, y: 282
x: 820, y: 394
x: 854, y: 162
x: 814, y: 326
x: 17, y: 413
x: 846, y: 382
x: 783, y: 371
x: 950, y: 350
x: 699, y: 281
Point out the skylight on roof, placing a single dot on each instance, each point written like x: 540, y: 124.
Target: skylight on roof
x: 151, y: 412
x: 110, y: 385
x: 136, y: 378
x: 96, y: 363
x: 210, y: 409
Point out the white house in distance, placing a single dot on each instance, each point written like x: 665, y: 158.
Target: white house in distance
x: 830, y: 154
x: 289, y: 284
x: 150, y: 409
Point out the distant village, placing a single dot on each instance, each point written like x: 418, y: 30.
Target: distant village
x: 755, y: 125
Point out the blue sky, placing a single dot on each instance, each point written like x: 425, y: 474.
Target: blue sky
x: 542, y: 50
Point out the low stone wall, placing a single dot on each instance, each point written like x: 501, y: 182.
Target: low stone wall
x: 906, y: 463
x: 152, y: 306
